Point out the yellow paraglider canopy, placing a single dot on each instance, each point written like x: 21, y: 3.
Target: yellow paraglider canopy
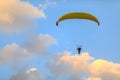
x: 78, y: 15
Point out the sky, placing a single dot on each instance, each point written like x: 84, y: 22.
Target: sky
x: 33, y: 48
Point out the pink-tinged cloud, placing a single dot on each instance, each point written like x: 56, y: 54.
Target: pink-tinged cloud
x: 83, y: 67
x: 105, y: 70
x: 16, y: 15
x: 94, y: 78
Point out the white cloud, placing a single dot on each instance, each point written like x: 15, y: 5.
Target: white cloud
x: 46, y: 4
x: 31, y: 70
x: 16, y: 15
x: 31, y: 74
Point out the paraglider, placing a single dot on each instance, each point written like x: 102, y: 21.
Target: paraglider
x: 79, y: 48
x: 78, y: 15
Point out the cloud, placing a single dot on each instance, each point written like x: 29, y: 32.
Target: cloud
x: 31, y: 74
x: 13, y: 52
x: 16, y: 15
x: 82, y: 67
x: 70, y: 67
x: 46, y: 4
x: 105, y: 70
x: 37, y: 45
x: 31, y: 70
x: 93, y: 78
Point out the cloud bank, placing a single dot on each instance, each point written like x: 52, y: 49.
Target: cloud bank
x: 16, y: 15
x: 83, y: 67
x: 73, y: 67
x: 59, y: 67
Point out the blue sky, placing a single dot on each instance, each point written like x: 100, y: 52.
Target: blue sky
x: 32, y: 44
